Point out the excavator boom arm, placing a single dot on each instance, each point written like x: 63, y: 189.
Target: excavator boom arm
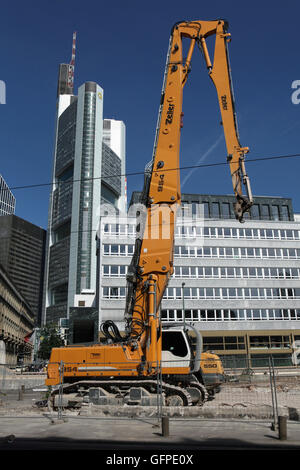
x: 152, y: 263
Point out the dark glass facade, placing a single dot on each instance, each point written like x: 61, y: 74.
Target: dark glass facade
x: 85, y: 170
x: 22, y: 254
x: 221, y: 206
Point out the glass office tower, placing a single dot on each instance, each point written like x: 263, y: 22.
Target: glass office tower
x: 7, y: 199
x: 83, y: 172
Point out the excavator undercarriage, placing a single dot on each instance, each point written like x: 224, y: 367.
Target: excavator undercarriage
x: 144, y: 392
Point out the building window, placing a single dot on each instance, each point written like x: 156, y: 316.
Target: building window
x: 265, y: 211
x: 113, y: 292
x: 226, y: 213
x: 206, y: 209
x: 275, y: 212
x: 234, y: 252
x: 117, y: 250
x: 285, y: 213
x: 233, y: 314
x: 255, y: 212
x: 215, y: 210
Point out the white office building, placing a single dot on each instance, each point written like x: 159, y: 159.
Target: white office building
x: 241, y: 281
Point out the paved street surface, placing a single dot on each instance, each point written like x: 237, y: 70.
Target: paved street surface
x: 137, y: 435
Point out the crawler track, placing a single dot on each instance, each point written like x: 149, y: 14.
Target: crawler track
x: 110, y: 385
x: 202, y: 390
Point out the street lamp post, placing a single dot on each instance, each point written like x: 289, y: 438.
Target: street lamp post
x: 183, y: 307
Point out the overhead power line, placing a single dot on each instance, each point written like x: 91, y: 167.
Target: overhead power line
x: 203, y: 165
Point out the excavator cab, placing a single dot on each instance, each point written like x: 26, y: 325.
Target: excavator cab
x: 178, y: 348
x: 183, y: 344
x: 175, y: 348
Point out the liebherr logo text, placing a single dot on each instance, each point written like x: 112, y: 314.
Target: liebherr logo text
x: 170, y: 114
x: 224, y: 102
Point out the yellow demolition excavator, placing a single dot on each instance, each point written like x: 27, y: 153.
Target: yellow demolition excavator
x: 127, y: 367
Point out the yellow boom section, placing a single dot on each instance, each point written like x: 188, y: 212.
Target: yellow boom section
x: 154, y: 251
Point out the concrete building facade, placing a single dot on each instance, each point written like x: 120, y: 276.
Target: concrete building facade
x: 238, y: 283
x: 16, y: 323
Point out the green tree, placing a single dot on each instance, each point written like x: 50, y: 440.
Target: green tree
x: 49, y: 338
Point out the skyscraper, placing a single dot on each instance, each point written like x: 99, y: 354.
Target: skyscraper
x: 7, y: 199
x: 86, y: 194
x: 22, y: 251
x: 86, y: 172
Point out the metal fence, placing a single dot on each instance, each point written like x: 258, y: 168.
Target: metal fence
x: 262, y: 392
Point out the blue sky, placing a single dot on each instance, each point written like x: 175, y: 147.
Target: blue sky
x: 122, y: 46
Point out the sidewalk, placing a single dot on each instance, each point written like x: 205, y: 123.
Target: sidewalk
x: 119, y: 434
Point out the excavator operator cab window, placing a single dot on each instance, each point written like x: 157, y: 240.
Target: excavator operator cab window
x: 174, y: 342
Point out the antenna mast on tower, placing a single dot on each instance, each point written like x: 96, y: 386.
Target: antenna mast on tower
x: 72, y: 63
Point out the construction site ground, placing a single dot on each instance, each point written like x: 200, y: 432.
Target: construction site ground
x: 240, y: 417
